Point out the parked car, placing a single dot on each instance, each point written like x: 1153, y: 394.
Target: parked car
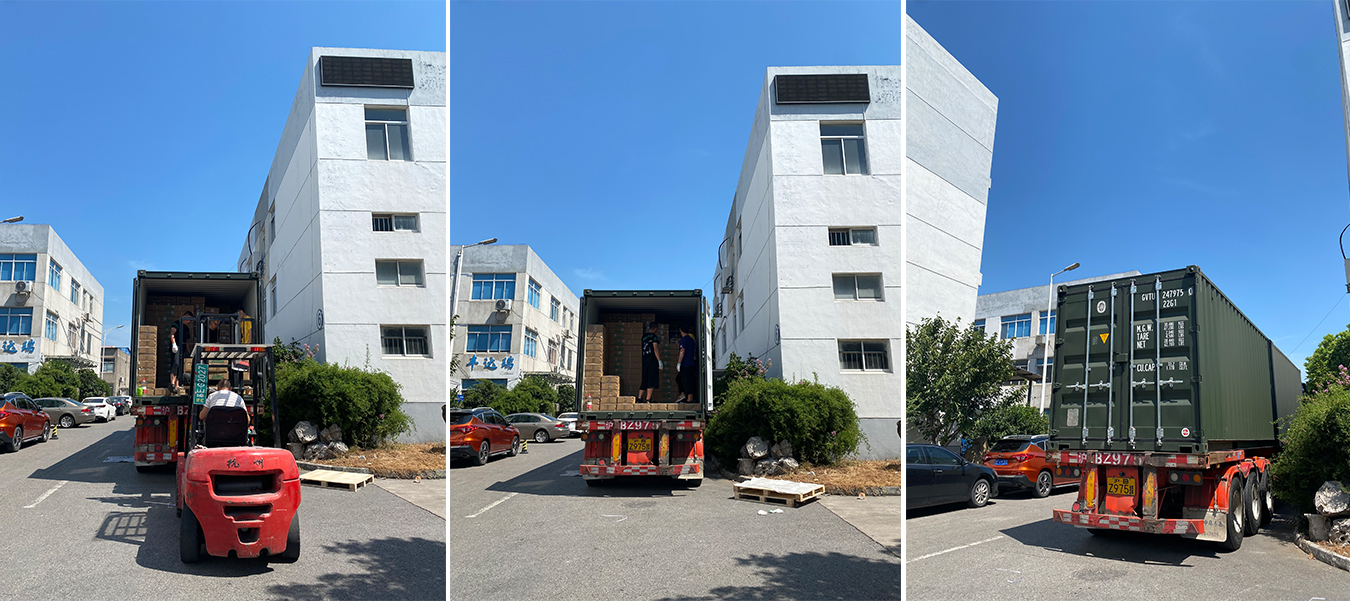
x: 1020, y: 463
x: 122, y: 403
x: 538, y: 426
x: 22, y: 420
x: 103, y: 410
x: 66, y: 412
x: 478, y: 434
x: 936, y: 476
x: 571, y: 420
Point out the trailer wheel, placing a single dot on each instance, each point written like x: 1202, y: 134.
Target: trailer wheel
x: 979, y: 493
x: 189, y: 538
x: 692, y: 482
x: 595, y: 481
x: 1251, y: 521
x: 1267, y: 501
x: 1235, y: 515
x: 292, y: 552
x: 145, y: 469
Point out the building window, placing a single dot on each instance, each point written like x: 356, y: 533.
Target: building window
x: 52, y: 329
x: 271, y: 228
x: 1017, y: 326
x: 398, y: 273
x: 18, y: 268
x: 531, y: 347
x: 54, y: 275
x: 273, y: 294
x: 75, y: 293
x: 863, y: 355
x: 532, y: 296
x: 857, y: 287
x: 552, y: 353
x: 740, y: 312
x: 842, y: 148
x: 387, y: 134
x: 1048, y: 328
x: 492, y: 286
x: 15, y: 321
x: 978, y: 326
x: 405, y: 340
x: 107, y: 367
x: 489, y: 339
x: 1046, y: 369
x: 739, y: 248
x: 555, y: 309
x: 843, y: 236
x: 388, y: 222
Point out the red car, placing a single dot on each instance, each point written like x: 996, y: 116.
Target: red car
x: 21, y: 420
x: 480, y: 433
x: 1020, y: 463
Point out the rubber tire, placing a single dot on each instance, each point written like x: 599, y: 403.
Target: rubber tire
x: 67, y: 421
x: 484, y: 454
x: 189, y: 538
x: 1235, y: 514
x: 597, y: 482
x: 292, y: 552
x: 975, y: 500
x: 1050, y: 485
x: 1267, y: 501
x: 145, y: 469
x: 541, y: 436
x: 1252, y: 517
x: 692, y: 482
x: 16, y: 442
x: 515, y: 447
x: 46, y: 432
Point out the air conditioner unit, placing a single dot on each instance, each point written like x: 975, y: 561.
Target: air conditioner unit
x: 717, y: 309
x: 729, y: 284
x: 23, y: 287
x: 1040, y: 339
x: 504, y: 304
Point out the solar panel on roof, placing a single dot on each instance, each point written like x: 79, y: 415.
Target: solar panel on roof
x: 366, y: 71
x: 795, y: 89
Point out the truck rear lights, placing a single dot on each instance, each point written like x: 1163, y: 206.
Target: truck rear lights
x: 159, y: 448
x: 1186, y: 478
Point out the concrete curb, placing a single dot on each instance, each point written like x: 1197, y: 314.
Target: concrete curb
x: 1325, y: 556
x: 872, y: 491
x: 396, y: 474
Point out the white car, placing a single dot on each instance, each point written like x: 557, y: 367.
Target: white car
x: 571, y: 419
x: 103, y: 411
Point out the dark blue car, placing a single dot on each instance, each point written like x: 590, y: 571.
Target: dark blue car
x: 936, y: 476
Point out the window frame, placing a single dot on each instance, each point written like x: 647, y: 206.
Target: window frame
x: 404, y: 338
x: 472, y: 336
x: 843, y: 147
x: 9, y: 316
x: 877, y: 348
x: 9, y: 267
x: 398, y: 273
x: 533, y: 293
x: 555, y: 309
x: 850, y: 236
x: 75, y: 296
x: 1014, y: 322
x: 1051, y: 322
x: 530, y: 347
x: 385, y: 123
x: 978, y: 324
x: 881, y: 287
x: 393, y: 222
x: 54, y: 274
x: 51, y: 327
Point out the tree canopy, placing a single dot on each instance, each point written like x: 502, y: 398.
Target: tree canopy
x: 954, y: 375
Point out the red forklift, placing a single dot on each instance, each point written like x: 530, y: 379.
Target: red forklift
x: 234, y: 497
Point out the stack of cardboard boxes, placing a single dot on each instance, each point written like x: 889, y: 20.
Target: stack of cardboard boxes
x: 147, y: 362
x: 612, y: 371
x: 154, y: 353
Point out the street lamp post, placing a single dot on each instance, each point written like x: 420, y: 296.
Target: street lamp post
x: 106, y: 332
x: 1045, y: 355
x: 13, y: 219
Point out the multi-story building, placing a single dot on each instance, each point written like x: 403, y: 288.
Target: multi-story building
x: 116, y: 369
x: 949, y: 149
x: 52, y: 306
x: 808, y: 273
x: 350, y: 230
x: 516, y: 318
x: 1025, y: 317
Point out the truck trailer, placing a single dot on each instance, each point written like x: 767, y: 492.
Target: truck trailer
x: 622, y: 436
x: 1166, y: 407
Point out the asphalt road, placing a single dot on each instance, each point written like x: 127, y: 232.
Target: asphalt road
x: 77, y: 527
x: 1011, y: 549
x: 538, y: 532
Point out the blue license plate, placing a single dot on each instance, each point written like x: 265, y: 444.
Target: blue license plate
x: 1000, y: 462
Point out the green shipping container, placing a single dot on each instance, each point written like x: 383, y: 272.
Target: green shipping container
x: 1188, y: 375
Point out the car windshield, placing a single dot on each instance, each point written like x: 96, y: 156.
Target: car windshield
x: 568, y: 416
x: 459, y: 419
x: 1009, y: 446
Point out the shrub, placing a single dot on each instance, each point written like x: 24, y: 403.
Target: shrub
x: 482, y: 394
x: 91, y: 385
x: 36, y: 386
x: 737, y: 369
x: 1316, y: 446
x: 818, y: 420
x: 10, y: 377
x: 366, y: 405
x: 542, y: 398
x: 52, y: 379
x: 567, y: 398
x: 1010, y: 420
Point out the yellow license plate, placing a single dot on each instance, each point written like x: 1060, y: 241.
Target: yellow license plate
x: 1120, y: 486
x: 640, y: 444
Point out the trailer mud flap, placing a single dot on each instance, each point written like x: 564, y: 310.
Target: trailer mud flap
x: 1216, y: 523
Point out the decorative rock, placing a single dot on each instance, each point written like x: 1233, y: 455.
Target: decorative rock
x: 766, y: 467
x: 784, y: 449
x: 317, y: 450
x: 304, y: 433
x: 1332, y: 500
x: 746, y: 467
x: 296, y: 449
x: 1340, y: 532
x: 337, y: 448
x: 788, y: 464
x: 755, y: 448
x: 331, y: 434
x: 1319, y: 527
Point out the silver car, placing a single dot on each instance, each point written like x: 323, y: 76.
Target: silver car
x: 538, y: 426
x: 65, y: 412
x: 570, y: 418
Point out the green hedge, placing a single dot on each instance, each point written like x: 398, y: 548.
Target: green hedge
x: 1316, y: 447
x: 818, y: 420
x: 366, y: 405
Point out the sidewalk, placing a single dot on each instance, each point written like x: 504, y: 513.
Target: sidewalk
x: 430, y: 494
x: 877, y: 517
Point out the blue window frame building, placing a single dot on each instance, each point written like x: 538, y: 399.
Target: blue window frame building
x: 489, y: 339
x: 15, y: 321
x: 493, y: 286
x: 18, y: 268
x: 1051, y: 324
x: 1016, y: 326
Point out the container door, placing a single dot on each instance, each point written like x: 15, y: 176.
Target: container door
x: 1162, y: 396
x: 705, y: 354
x: 1084, y: 340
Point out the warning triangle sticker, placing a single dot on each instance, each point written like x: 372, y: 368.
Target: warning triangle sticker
x: 1103, y: 337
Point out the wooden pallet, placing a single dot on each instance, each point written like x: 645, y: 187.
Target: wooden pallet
x: 765, y: 490
x: 334, y: 479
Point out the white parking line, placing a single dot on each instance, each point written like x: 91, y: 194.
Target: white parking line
x: 480, y: 511
x: 954, y: 549
x: 46, y: 494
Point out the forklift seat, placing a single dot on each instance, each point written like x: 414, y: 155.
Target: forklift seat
x: 225, y: 427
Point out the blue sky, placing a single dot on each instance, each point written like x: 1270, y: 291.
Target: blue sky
x: 1154, y: 135
x: 143, y: 132
x: 609, y: 136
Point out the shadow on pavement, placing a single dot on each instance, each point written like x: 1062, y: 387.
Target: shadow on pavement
x: 560, y: 478
x: 924, y: 512
x: 814, y: 576
x: 391, y: 568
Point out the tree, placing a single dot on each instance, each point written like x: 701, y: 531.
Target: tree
x: 1323, y: 365
x: 736, y: 370
x: 1010, y: 420
x: 10, y: 378
x: 542, y: 398
x: 482, y: 394
x: 954, y: 374
x: 567, y: 398
x: 1316, y: 444
x: 52, y: 379
x: 91, y: 385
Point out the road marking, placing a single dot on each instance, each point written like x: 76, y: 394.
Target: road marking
x: 483, y: 510
x: 46, y: 494
x: 955, y: 549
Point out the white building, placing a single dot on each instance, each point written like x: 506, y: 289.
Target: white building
x: 1021, y: 316
x: 350, y: 230
x: 808, y: 274
x: 949, y: 151
x: 52, y: 306
x: 116, y: 369
x: 533, y: 331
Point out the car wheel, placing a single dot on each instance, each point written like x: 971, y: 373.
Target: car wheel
x: 16, y: 442
x: 979, y: 493
x: 46, y: 432
x: 189, y: 538
x: 67, y: 421
x: 483, y: 454
x: 515, y: 447
x: 1252, y: 507
x: 292, y: 552
x: 1044, y: 484
x: 540, y: 436
x: 1235, y: 515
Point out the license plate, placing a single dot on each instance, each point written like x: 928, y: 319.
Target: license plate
x: 1120, y: 486
x: 1000, y: 462
x: 639, y: 445
x: 636, y: 425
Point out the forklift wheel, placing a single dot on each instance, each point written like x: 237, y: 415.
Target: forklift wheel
x: 292, y: 552
x: 189, y: 538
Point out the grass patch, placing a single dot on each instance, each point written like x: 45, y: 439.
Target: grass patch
x: 848, y: 474
x: 395, y: 460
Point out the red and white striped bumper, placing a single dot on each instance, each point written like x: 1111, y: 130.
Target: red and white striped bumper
x: 1132, y: 524
x: 142, y: 457
x: 638, y: 470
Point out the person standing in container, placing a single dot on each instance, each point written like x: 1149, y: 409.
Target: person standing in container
x: 651, y: 364
x: 687, y: 375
